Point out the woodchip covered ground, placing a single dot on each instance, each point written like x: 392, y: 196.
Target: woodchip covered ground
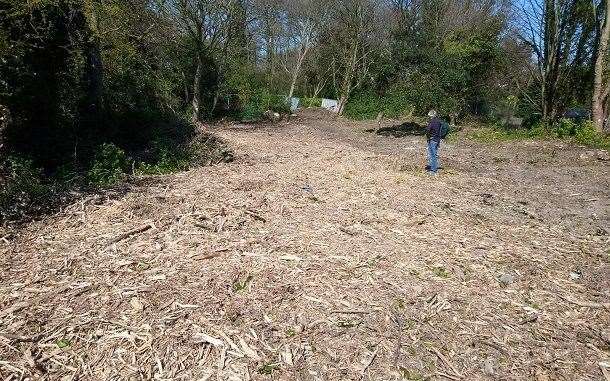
x: 322, y: 253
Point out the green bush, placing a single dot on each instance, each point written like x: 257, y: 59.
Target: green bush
x: 414, y: 94
x: 166, y: 158
x: 23, y: 188
x: 538, y: 130
x: 109, y: 165
x: 566, y: 128
x: 582, y: 133
x: 367, y: 105
x: 588, y: 135
x: 255, y: 105
x: 363, y: 106
x: 250, y: 111
x: 311, y: 102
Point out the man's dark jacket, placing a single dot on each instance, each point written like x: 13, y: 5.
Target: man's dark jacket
x: 433, y: 131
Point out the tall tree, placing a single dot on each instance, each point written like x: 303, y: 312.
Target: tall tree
x: 305, y: 18
x: 356, y: 37
x: 269, y: 15
x: 601, y: 86
x: 204, y: 22
x: 553, y: 31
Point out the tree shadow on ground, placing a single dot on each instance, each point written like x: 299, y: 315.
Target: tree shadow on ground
x: 400, y: 130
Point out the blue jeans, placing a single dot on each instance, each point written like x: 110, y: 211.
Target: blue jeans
x: 433, y: 155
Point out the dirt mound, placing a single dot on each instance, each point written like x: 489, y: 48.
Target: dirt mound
x: 210, y: 149
x: 401, y: 130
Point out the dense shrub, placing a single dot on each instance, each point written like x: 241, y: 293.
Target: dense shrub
x: 363, y: 106
x: 311, y: 102
x: 22, y: 188
x: 566, y: 128
x: 367, y: 105
x: 109, y: 165
x: 255, y: 105
x: 581, y: 133
x: 166, y: 159
x: 588, y: 135
x: 403, y: 99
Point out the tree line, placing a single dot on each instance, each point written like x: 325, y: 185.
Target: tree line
x: 75, y: 74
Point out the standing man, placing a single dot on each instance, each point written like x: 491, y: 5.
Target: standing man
x: 434, y: 134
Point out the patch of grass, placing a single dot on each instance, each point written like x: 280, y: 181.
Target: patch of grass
x: 440, y: 272
x: 63, y: 343
x: 313, y: 198
x: 412, y: 351
x: 311, y: 102
x: 268, y: 369
x: 242, y: 285
x: 290, y: 332
x: 399, y: 304
x: 565, y: 129
x: 496, y: 134
x: 532, y: 304
x: 143, y: 266
x: 587, y: 135
x: 348, y: 324
x: 411, y: 374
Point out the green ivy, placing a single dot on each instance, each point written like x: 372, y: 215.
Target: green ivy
x: 109, y: 165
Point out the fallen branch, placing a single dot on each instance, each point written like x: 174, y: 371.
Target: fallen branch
x: 215, y: 254
x: 21, y: 339
x: 585, y: 304
x: 446, y: 362
x: 350, y: 312
x: 495, y: 346
x: 347, y: 231
x: 440, y: 374
x: 368, y: 364
x: 255, y: 215
x: 131, y: 233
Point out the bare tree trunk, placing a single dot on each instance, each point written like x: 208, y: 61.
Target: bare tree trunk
x: 270, y: 60
x: 94, y: 73
x: 197, y: 90
x: 215, y: 102
x: 296, y: 72
x: 94, y: 77
x: 601, y: 89
x: 186, y: 88
x: 293, y: 85
x: 318, y: 88
x: 346, y: 88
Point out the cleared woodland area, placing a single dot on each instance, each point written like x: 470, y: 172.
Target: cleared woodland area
x: 323, y: 252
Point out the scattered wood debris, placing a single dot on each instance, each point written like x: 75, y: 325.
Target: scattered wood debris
x: 239, y: 272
